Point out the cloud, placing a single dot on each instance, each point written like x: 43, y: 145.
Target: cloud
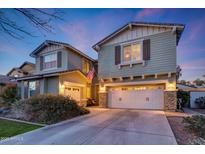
x: 148, y: 12
x: 198, y: 64
x: 196, y: 28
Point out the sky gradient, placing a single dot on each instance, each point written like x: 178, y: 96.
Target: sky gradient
x: 82, y: 28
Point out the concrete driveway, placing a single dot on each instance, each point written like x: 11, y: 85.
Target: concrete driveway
x: 104, y: 126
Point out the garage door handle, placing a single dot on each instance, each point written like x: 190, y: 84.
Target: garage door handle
x: 147, y: 99
x: 120, y: 99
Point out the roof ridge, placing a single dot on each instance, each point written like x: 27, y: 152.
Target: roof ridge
x: 63, y: 43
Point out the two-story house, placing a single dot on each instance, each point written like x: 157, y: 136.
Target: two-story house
x: 137, y: 66
x: 60, y: 69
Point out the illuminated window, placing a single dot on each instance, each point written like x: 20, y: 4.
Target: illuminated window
x: 132, y: 52
x: 88, y: 92
x: 86, y: 66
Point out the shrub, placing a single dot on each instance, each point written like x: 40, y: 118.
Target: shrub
x: 49, y: 108
x: 183, y: 98
x: 10, y: 95
x: 91, y: 102
x: 196, y: 124
x: 200, y: 102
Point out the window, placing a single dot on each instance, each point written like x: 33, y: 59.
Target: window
x: 132, y: 52
x: 32, y: 88
x: 86, y: 66
x: 50, y: 61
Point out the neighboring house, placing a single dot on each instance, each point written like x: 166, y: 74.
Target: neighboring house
x: 5, y: 82
x: 194, y: 92
x: 137, y: 66
x: 185, y: 87
x: 27, y: 68
x: 60, y: 69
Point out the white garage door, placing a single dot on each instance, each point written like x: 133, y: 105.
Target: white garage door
x: 73, y: 92
x: 136, y: 99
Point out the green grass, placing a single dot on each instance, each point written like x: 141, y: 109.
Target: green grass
x: 11, y: 128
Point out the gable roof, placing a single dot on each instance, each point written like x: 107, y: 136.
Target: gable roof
x: 47, y: 42
x: 49, y: 74
x: 179, y: 30
x: 5, y: 79
x: 26, y: 63
x: 20, y: 68
x: 13, y: 69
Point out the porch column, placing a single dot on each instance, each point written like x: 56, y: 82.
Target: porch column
x: 170, y: 95
x: 42, y: 86
x: 22, y: 89
x: 103, y: 97
x: 170, y: 100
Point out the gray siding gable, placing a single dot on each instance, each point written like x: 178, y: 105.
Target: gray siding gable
x: 70, y: 59
x: 163, y: 58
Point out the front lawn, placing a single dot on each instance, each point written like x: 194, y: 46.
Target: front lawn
x: 11, y: 128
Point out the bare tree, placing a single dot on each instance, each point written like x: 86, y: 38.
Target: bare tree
x: 38, y: 18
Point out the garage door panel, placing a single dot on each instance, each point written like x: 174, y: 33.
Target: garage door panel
x: 136, y: 99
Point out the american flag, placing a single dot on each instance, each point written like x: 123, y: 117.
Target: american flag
x: 90, y: 74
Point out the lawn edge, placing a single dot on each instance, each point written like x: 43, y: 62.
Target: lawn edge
x: 22, y: 121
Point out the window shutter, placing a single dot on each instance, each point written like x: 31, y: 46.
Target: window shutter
x: 146, y: 49
x: 59, y: 59
x: 41, y: 62
x: 117, y: 55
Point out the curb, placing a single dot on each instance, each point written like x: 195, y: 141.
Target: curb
x: 50, y: 126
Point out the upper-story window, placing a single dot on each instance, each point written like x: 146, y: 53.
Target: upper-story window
x: 50, y: 61
x: 86, y: 66
x: 132, y: 52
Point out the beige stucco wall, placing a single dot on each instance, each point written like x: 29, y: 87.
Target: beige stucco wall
x: 74, y: 79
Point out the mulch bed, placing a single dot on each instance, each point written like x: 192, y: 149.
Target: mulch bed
x: 182, y: 135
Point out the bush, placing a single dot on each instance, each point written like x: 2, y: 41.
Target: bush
x: 49, y: 108
x: 200, y: 102
x: 183, y: 98
x: 196, y: 124
x: 91, y: 102
x: 10, y: 95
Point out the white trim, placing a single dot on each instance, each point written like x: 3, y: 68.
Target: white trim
x: 136, y: 83
x: 174, y: 29
x: 130, y: 63
x: 169, y: 74
x: 47, y: 54
x: 73, y: 84
x: 76, y: 71
x: 137, y: 24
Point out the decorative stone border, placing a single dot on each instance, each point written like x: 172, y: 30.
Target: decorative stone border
x: 21, y: 121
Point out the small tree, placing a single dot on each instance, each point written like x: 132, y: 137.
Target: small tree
x: 178, y: 72
x: 184, y: 98
x: 10, y: 95
x: 198, y: 82
x: 183, y: 82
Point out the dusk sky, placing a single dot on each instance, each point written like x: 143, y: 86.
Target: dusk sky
x: 82, y: 28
